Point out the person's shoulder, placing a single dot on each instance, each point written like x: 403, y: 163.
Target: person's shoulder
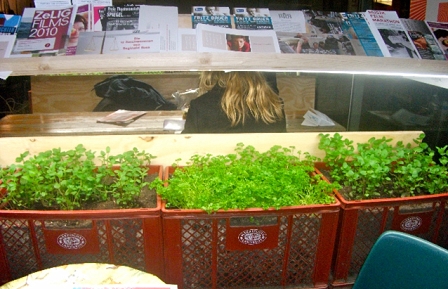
x: 210, y: 96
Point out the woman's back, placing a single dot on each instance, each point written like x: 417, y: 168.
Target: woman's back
x: 240, y: 103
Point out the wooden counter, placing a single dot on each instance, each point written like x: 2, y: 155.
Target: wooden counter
x: 85, y: 123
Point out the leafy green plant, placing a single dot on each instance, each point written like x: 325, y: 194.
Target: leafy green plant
x: 66, y: 180
x: 379, y: 168
x: 247, y: 179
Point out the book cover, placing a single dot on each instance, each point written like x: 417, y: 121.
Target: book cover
x: 212, y: 38
x: 164, y: 19
x: 308, y: 43
x: 248, y: 18
x: 424, y: 41
x: 288, y: 20
x: 131, y: 41
x: 440, y: 32
x: 9, y: 23
x: 390, y: 34
x: 323, y: 22
x: 356, y: 27
x: 44, y: 30
x: 211, y: 15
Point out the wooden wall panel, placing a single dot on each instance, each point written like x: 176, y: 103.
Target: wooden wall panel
x: 169, y: 148
x: 52, y: 94
x: 298, y: 92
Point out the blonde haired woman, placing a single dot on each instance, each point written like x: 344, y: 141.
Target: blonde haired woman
x: 236, y: 102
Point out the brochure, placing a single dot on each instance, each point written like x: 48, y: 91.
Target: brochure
x: 211, y: 15
x: 164, y: 19
x: 440, y: 32
x: 423, y: 39
x: 44, y: 30
x: 186, y: 39
x: 6, y: 45
x: 248, y: 18
x: 130, y: 41
x: 308, y: 43
x: 98, y: 17
x: 212, y: 38
x: 9, y: 23
x: 316, y: 118
x: 90, y: 42
x: 80, y: 24
x: 91, y: 4
x: 390, y: 34
x: 323, y: 22
x: 288, y: 21
x: 51, y: 3
x: 124, y: 17
x: 357, y: 29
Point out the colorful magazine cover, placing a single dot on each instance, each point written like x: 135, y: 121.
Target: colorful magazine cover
x: 424, y: 41
x: 9, y: 23
x: 219, y: 39
x: 44, y: 31
x: 123, y: 17
x: 308, y: 43
x: 355, y: 26
x: 211, y: 15
x: 390, y: 34
x: 249, y: 18
x: 323, y: 22
x: 288, y: 20
x: 440, y: 32
x: 81, y: 24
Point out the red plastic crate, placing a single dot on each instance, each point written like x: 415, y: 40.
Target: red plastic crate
x: 130, y: 237
x: 362, y: 222
x: 292, y: 246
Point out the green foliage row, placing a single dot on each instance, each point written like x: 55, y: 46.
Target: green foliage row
x: 247, y: 179
x: 65, y: 180
x: 379, y: 168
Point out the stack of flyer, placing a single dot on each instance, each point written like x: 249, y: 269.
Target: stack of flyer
x: 316, y: 118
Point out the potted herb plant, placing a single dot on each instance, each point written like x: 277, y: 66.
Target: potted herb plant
x: 247, y: 219
x: 61, y: 207
x: 384, y: 186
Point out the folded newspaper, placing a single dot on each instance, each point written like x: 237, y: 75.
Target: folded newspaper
x: 121, y: 116
x: 316, y: 118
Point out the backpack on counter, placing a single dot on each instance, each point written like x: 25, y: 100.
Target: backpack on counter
x: 124, y: 92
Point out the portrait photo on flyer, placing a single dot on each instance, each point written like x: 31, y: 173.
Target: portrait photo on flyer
x: 211, y: 38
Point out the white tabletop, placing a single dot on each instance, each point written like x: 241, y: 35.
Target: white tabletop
x: 74, y: 275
